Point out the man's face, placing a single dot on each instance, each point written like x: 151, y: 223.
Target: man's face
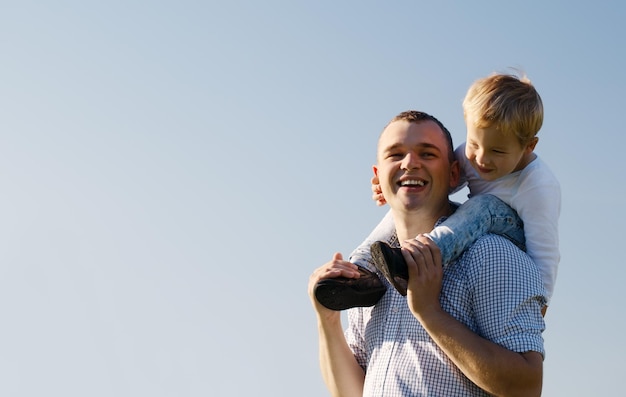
x: 413, y: 166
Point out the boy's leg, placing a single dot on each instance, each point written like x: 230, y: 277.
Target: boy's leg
x: 479, y: 215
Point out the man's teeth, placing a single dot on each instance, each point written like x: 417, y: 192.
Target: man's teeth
x: 412, y: 183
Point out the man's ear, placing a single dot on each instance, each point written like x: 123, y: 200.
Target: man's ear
x: 375, y: 169
x: 455, y: 174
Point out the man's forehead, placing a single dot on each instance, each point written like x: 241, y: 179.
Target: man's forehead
x: 423, y: 134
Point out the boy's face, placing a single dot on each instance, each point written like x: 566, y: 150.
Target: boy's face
x: 413, y: 165
x: 494, y: 154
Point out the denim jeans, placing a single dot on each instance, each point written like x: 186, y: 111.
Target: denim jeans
x: 477, y: 216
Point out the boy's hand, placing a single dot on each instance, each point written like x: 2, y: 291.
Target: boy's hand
x: 377, y: 195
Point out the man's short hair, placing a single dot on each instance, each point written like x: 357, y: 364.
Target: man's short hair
x: 415, y: 116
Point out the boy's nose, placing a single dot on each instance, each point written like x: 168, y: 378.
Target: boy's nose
x: 481, y: 157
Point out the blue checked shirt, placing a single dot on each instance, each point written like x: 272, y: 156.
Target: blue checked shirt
x: 493, y: 288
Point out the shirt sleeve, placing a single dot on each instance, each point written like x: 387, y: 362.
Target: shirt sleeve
x: 538, y: 203
x: 508, y: 295
x: 355, y: 337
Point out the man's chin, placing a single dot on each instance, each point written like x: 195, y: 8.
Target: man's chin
x: 411, y: 204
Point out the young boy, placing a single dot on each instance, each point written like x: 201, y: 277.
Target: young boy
x: 503, y: 114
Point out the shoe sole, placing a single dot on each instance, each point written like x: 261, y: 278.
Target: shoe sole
x: 381, y: 263
x: 341, y: 297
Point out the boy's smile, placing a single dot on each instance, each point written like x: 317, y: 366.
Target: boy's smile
x: 494, y: 154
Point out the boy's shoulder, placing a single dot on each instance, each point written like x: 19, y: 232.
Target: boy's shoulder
x: 538, y: 172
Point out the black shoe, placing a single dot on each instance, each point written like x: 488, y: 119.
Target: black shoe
x: 342, y: 293
x: 391, y: 264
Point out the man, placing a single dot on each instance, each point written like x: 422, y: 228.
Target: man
x: 472, y: 327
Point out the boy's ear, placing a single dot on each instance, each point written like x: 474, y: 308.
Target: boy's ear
x: 531, y: 145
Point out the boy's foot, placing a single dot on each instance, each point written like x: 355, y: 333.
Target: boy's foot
x: 391, y: 264
x: 342, y: 293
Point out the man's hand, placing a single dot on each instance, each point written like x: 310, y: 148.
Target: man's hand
x: 336, y: 267
x: 423, y: 260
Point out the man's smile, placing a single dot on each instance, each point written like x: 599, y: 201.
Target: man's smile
x: 412, y: 183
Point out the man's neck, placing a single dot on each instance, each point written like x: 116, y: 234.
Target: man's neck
x: 409, y: 224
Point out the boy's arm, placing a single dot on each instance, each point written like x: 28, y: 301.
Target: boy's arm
x: 384, y: 231
x: 539, y: 207
x: 459, y: 155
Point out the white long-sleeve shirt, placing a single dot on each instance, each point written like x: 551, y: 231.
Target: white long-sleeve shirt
x: 535, y: 193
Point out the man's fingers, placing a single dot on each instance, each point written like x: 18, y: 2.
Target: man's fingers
x: 412, y: 258
x: 421, y: 253
x: 432, y: 247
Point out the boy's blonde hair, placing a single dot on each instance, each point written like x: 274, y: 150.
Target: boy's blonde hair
x: 507, y: 102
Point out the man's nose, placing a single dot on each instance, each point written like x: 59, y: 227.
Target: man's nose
x: 411, y: 161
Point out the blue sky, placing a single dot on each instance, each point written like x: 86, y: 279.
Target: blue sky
x: 172, y: 172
